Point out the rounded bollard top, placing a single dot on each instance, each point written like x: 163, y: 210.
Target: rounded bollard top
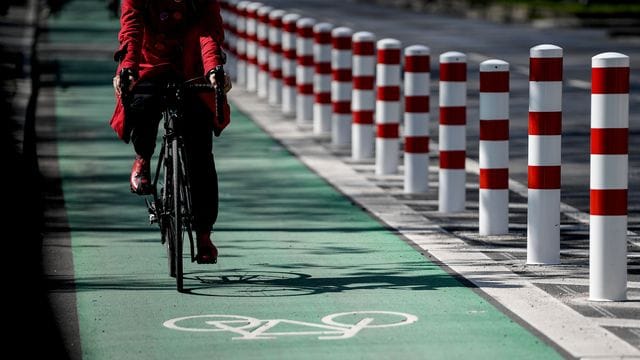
x: 342, y: 31
x: 610, y: 59
x: 494, y: 65
x: 389, y: 44
x: 323, y: 27
x: 453, y: 57
x: 290, y: 18
x: 254, y: 6
x: 264, y: 10
x: 305, y: 23
x: 364, y: 36
x: 417, y: 50
x: 242, y: 5
x: 276, y: 14
x: 545, y: 51
x: 232, y: 2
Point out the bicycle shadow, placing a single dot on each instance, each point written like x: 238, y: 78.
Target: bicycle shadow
x: 287, y: 284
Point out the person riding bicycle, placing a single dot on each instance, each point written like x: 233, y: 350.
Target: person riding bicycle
x: 165, y: 41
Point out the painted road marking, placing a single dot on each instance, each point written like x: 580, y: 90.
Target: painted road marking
x: 254, y: 329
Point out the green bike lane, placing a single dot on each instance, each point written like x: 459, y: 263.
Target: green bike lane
x: 293, y: 251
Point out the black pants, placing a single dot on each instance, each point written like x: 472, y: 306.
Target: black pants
x: 144, y: 114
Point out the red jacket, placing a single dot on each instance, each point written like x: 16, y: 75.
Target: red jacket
x: 154, y: 33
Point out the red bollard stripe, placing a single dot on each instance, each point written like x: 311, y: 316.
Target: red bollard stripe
x: 611, y: 141
x: 363, y: 117
x: 322, y: 38
x: 363, y: 82
x: 545, y: 69
x: 453, y: 115
x: 494, y: 81
x: 388, y: 93
x: 305, y: 89
x: 453, y: 72
x: 544, y: 177
x: 276, y: 74
x: 343, y: 75
x: 494, y: 179
x: 341, y: 43
x: 363, y: 48
x: 388, y: 131
x: 610, y: 80
x: 306, y: 60
x: 416, y: 104
x: 290, y: 54
x: 264, y: 67
x: 452, y: 159
x: 323, y: 98
x: 419, y: 63
x: 275, y: 22
x: 416, y: 144
x: 608, y: 202
x: 389, y: 56
x: 290, y: 81
x: 276, y: 48
x: 494, y: 130
x: 289, y: 27
x: 323, y: 68
x: 305, y: 32
x: 342, y: 107
x: 545, y: 123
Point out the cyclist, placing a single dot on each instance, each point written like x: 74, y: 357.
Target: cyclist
x: 162, y: 41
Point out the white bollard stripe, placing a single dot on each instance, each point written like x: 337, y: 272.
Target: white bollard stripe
x: 544, y: 150
x: 452, y: 137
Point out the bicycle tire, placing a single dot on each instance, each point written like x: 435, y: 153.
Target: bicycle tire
x: 167, y: 223
x: 177, y: 219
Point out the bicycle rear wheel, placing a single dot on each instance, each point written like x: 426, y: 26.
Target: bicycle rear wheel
x: 177, y: 215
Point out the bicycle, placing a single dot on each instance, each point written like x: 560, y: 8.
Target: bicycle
x: 170, y: 207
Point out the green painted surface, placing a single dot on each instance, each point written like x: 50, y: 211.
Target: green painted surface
x: 291, y: 248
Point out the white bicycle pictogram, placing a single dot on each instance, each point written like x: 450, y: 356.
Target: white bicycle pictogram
x: 249, y: 328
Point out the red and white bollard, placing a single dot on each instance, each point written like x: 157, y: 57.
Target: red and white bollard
x: 417, y: 72
x: 545, y: 127
x: 275, y: 57
x: 227, y: 9
x: 609, y: 177
x: 289, y: 64
x: 322, y: 79
x: 494, y: 147
x: 304, y: 72
x: 263, y: 50
x: 232, y: 36
x: 363, y: 97
x: 452, y: 135
x: 252, y: 46
x: 388, y: 106
x: 241, y: 43
x: 341, y: 86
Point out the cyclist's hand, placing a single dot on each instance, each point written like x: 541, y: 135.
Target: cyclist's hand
x: 227, y: 81
x: 117, y: 84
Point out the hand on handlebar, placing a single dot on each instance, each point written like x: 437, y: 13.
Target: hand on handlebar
x: 227, y: 81
x: 123, y: 82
